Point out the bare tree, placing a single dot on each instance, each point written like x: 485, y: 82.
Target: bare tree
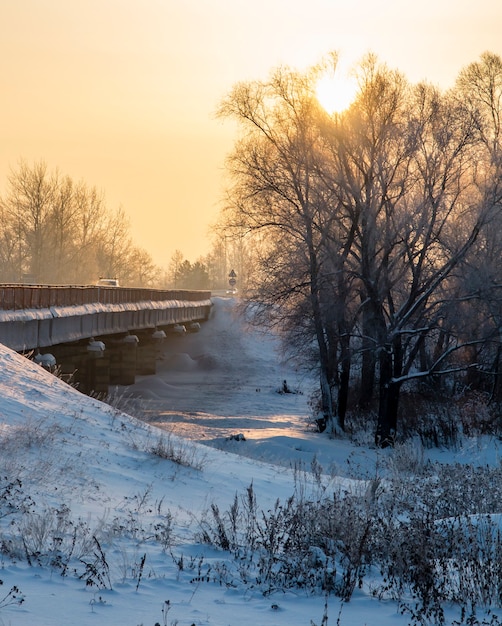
x: 115, y: 246
x: 54, y: 230
x: 403, y: 166
x: 278, y: 194
x: 173, y: 271
x: 88, y: 233
x: 367, y: 221
x: 28, y: 206
x: 10, y: 266
x: 61, y: 231
x: 479, y: 88
x: 142, y: 271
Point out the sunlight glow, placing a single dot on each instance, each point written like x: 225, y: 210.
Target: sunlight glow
x: 336, y: 92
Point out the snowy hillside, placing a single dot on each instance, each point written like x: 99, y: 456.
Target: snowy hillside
x: 103, y: 517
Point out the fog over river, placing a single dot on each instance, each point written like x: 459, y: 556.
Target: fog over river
x: 222, y: 381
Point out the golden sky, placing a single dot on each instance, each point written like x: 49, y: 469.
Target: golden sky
x: 122, y: 93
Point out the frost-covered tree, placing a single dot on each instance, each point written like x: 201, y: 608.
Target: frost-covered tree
x: 367, y: 221
x: 278, y: 196
x: 54, y: 230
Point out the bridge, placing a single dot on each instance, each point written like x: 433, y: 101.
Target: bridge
x: 97, y: 335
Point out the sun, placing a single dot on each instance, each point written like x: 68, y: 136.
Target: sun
x: 336, y: 92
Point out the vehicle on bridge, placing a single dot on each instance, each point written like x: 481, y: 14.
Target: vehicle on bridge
x: 108, y: 282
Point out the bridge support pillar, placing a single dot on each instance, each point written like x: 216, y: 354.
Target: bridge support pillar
x: 123, y: 362
x: 88, y: 371
x: 149, y: 352
x: 97, y: 374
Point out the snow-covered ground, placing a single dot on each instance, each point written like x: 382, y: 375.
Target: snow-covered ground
x: 225, y: 381
x: 90, y: 467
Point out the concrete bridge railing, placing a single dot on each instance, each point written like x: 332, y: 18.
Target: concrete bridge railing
x: 16, y: 297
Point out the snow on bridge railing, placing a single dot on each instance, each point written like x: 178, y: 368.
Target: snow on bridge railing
x: 15, y: 297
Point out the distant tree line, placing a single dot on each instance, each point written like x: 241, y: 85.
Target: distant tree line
x: 375, y: 232
x: 212, y: 270
x: 186, y: 275
x: 56, y: 230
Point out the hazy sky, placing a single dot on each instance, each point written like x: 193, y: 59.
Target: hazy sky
x: 122, y: 93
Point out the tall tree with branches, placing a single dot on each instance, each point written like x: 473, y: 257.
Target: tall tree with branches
x: 276, y: 193
x: 366, y: 221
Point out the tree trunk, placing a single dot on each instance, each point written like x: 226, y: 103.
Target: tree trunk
x: 496, y: 387
x: 391, y: 364
x: 387, y: 415
x: 343, y: 389
x: 368, y: 364
x: 325, y: 417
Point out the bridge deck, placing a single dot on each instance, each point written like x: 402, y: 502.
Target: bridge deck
x: 36, y: 316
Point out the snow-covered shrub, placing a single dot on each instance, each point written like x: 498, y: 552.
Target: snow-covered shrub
x: 315, y: 545
x: 30, y: 433
x: 13, y: 499
x: 13, y: 596
x: 429, y: 563
x: 446, y: 422
x: 179, y: 451
x: 425, y: 543
x: 408, y: 458
x: 96, y: 568
x: 49, y: 538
